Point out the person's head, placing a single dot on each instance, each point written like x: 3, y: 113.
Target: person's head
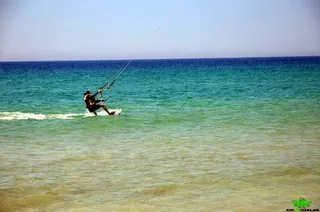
x: 87, y: 91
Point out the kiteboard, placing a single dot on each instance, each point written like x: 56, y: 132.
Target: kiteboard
x: 116, y: 111
x: 104, y: 113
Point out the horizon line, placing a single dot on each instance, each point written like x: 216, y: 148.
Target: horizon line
x: 183, y: 58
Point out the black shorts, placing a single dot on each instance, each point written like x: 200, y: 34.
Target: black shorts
x: 94, y: 108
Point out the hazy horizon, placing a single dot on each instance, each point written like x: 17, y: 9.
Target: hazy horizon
x: 139, y: 59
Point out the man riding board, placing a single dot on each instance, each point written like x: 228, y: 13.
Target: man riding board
x: 91, y: 102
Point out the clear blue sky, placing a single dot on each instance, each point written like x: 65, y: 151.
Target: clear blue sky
x: 137, y: 29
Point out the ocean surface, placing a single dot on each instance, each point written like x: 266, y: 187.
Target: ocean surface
x: 194, y: 135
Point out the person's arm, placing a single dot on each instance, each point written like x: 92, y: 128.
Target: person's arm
x: 99, y: 91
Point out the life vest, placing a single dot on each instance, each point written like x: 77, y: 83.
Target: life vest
x: 85, y: 97
x: 88, y: 100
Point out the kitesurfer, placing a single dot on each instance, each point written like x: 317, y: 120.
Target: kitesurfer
x: 91, y: 102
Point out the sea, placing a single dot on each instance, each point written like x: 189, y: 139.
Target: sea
x: 231, y: 134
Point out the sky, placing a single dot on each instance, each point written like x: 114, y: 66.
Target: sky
x: 152, y: 29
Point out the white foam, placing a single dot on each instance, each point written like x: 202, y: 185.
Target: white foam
x: 34, y: 116
x: 19, y: 115
x: 117, y: 111
x: 64, y: 116
x: 104, y: 113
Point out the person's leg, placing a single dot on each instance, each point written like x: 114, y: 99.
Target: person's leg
x: 93, y: 110
x: 106, y: 109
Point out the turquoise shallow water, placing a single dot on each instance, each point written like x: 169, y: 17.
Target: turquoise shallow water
x: 223, y: 134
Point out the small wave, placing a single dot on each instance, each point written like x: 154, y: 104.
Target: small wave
x: 294, y: 171
x: 64, y: 116
x: 34, y: 116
